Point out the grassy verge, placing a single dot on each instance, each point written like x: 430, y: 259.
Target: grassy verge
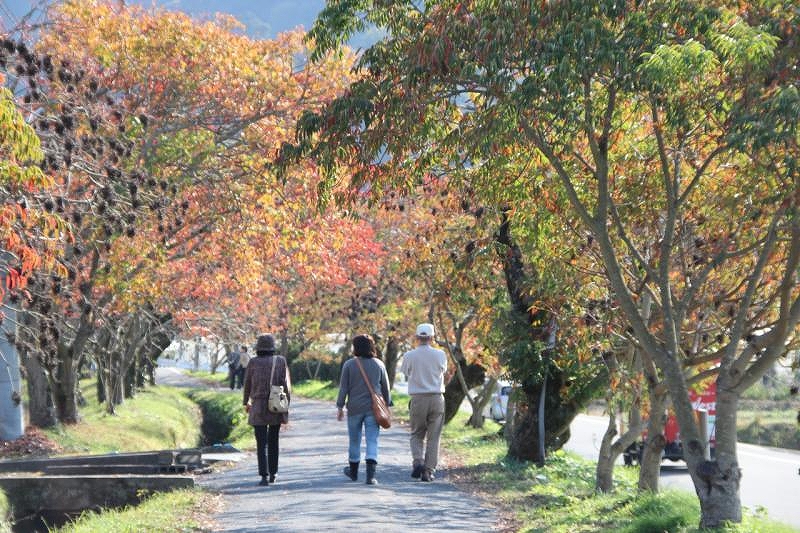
x: 171, y: 512
x: 318, y: 390
x: 560, y: 497
x: 157, y: 418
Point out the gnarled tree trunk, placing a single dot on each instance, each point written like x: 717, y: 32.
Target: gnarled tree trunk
x: 717, y: 481
x: 541, y: 326
x: 558, y: 417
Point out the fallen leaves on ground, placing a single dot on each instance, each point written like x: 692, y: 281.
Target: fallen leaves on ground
x: 34, y: 443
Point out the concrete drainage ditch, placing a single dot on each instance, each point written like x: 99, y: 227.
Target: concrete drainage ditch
x: 44, y: 492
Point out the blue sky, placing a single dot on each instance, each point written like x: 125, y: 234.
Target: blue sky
x: 263, y: 18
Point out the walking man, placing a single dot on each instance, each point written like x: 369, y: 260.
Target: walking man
x: 424, y: 368
x: 244, y: 359
x: 233, y: 369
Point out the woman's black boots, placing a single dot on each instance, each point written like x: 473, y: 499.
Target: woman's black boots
x: 371, y: 465
x: 352, y: 470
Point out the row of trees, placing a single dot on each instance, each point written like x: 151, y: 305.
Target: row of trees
x: 138, y: 206
x: 642, y: 159
x: 156, y: 214
x: 586, y: 196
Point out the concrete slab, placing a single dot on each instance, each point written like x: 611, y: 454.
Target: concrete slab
x: 29, y: 494
x: 164, y: 458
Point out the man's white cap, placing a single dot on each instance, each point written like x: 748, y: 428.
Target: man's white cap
x: 425, y: 330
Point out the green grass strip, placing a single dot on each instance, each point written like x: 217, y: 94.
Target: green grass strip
x: 167, y: 512
x: 157, y: 418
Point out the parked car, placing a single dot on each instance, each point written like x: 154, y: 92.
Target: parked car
x: 496, y: 408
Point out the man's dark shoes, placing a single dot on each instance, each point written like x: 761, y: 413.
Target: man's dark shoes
x: 427, y: 475
x: 272, y: 478
x: 263, y: 481
x: 417, y: 472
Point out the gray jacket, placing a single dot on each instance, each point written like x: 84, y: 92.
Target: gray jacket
x: 355, y: 391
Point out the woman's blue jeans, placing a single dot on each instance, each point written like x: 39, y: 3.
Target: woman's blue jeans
x: 371, y: 430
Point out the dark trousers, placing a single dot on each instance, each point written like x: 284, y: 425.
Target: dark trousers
x: 267, y: 448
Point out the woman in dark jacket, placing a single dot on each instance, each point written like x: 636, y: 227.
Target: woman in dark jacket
x: 353, y: 388
x: 266, y: 425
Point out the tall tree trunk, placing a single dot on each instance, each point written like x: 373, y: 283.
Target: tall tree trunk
x: 159, y: 341
x: 196, y: 361
x: 129, y: 385
x: 480, y: 402
x: 541, y: 326
x: 118, y: 382
x: 108, y: 384
x: 64, y: 383
x: 41, y: 409
x: 604, y: 472
x: 467, y: 376
x: 141, y: 369
x: 101, y: 386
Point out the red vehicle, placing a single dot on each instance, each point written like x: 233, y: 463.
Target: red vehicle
x: 702, y: 400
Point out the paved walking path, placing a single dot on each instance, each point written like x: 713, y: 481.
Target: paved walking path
x: 312, y: 494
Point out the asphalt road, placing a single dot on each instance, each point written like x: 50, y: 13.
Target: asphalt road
x: 769, y: 475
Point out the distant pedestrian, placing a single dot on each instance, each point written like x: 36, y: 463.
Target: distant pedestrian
x: 257, y: 384
x: 244, y: 359
x: 233, y: 369
x: 354, y: 391
x: 424, y: 368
